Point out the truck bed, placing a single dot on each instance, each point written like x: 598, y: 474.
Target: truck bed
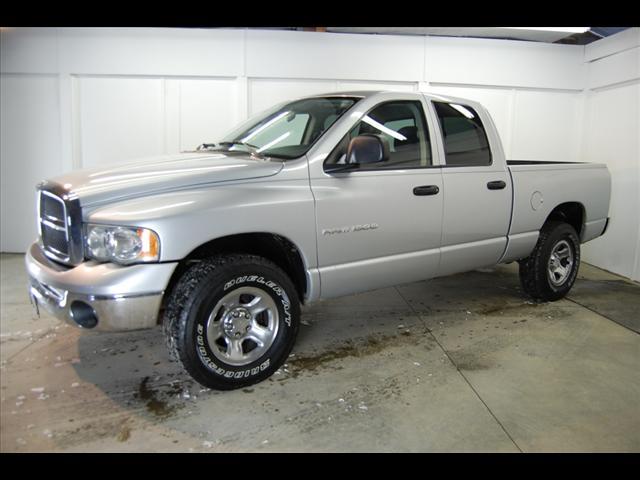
x: 538, y: 187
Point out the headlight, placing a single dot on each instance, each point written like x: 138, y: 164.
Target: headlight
x: 121, y: 244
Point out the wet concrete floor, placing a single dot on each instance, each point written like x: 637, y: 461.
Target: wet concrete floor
x: 462, y: 363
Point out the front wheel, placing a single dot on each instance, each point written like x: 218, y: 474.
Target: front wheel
x: 232, y: 320
x: 550, y: 271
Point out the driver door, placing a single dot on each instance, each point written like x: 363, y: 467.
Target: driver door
x: 380, y: 225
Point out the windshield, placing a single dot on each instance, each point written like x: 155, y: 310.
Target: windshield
x: 287, y: 131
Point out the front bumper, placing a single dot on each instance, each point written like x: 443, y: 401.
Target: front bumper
x: 104, y: 297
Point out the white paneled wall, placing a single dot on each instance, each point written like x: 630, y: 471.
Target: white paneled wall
x: 84, y: 97
x: 119, y: 118
x: 546, y: 125
x: 208, y: 109
x: 611, y: 135
x: 30, y: 150
x: 280, y: 54
x: 498, y: 62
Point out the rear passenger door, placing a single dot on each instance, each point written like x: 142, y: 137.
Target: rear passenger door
x: 477, y: 191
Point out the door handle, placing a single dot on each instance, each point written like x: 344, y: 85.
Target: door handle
x: 496, y: 185
x: 426, y: 190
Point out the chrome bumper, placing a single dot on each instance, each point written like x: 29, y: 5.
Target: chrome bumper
x: 103, y: 297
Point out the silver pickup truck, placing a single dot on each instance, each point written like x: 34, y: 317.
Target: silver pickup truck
x: 324, y: 196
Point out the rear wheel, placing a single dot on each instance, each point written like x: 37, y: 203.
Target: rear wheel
x: 232, y: 320
x: 551, y: 269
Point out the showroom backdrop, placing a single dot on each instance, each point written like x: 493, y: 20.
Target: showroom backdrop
x: 73, y: 98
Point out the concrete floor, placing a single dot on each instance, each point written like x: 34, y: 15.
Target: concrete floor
x: 462, y: 363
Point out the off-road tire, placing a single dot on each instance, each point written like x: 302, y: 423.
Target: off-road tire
x: 195, y: 295
x: 534, y: 276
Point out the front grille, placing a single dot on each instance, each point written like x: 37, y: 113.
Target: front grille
x: 59, y: 222
x: 53, y: 226
x: 56, y: 242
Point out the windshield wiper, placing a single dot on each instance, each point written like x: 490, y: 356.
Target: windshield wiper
x: 206, y: 146
x: 252, y: 148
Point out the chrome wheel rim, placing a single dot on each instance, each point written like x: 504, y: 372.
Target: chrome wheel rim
x: 560, y: 263
x: 242, y: 326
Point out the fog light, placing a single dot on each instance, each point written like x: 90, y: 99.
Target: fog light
x: 83, y: 314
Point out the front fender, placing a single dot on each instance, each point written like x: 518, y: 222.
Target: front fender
x: 186, y: 219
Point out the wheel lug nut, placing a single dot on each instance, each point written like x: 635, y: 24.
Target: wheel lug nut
x: 248, y: 328
x: 237, y: 334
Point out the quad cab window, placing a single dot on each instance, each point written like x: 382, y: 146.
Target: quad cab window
x: 464, y: 137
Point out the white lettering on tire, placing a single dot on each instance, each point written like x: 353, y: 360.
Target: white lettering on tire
x: 204, y: 356
x: 200, y: 340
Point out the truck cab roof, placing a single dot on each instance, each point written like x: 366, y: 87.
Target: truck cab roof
x: 372, y: 93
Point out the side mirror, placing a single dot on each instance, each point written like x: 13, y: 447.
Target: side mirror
x: 367, y: 148
x: 362, y: 150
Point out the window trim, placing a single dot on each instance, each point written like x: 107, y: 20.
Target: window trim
x: 444, y: 149
x: 426, y: 127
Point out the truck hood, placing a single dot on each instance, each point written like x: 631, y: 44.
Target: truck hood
x: 161, y: 174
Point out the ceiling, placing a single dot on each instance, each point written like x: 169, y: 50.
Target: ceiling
x: 593, y: 34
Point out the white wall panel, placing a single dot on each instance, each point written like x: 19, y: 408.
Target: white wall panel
x: 29, y: 152
x: 29, y: 50
x: 619, y: 42
x: 264, y: 93
x: 345, y: 85
x: 334, y: 55
x: 207, y: 110
x: 546, y: 126
x: 618, y: 68
x: 172, y: 115
x: 501, y: 62
x: 612, y: 137
x: 120, y: 119
x: 151, y: 51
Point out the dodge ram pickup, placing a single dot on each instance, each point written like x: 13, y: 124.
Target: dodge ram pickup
x: 320, y: 197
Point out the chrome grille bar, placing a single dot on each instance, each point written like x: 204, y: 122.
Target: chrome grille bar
x: 55, y: 227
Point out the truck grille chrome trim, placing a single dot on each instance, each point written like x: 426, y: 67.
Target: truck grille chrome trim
x: 59, y: 220
x: 55, y: 226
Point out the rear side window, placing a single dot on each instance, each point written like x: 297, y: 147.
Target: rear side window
x: 464, y: 137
